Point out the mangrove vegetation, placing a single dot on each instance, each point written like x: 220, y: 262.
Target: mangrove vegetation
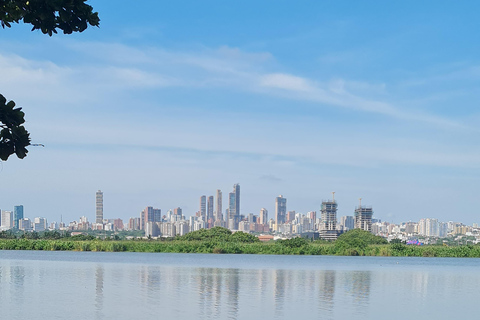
x: 220, y: 240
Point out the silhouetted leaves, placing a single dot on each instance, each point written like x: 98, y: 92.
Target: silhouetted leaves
x: 48, y: 15
x: 14, y: 138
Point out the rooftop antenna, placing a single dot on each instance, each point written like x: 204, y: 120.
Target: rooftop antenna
x: 333, y: 196
x: 360, y: 199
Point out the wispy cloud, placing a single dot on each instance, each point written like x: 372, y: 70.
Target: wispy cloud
x: 115, y: 67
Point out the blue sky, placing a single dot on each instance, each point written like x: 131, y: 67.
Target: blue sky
x: 168, y: 101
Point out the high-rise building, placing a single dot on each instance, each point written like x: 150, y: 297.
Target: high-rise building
x: 210, y: 216
x: 134, y: 224
x: 280, y: 210
x: 177, y: 211
x: 7, y: 219
x: 203, y: 207
x: 17, y: 215
x: 25, y: 224
x: 347, y: 222
x: 290, y: 216
x: 219, y: 216
x: 234, y: 207
x: 328, y: 226
x: 363, y: 217
x: 263, y: 216
x: 150, y: 214
x: 39, y: 224
x: 99, y: 207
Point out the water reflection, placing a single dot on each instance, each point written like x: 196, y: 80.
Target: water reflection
x: 115, y: 291
x: 326, y: 291
x: 99, y: 272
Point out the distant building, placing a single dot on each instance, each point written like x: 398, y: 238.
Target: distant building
x: 118, y: 224
x: 290, y: 216
x: 177, y: 211
x: 280, y: 210
x: 25, y: 224
x: 234, y: 207
x: 347, y: 222
x: 150, y: 214
x: 210, y: 216
x: 363, y: 218
x: 134, y: 224
x: 99, y: 207
x: 7, y: 220
x: 218, y: 212
x: 17, y: 215
x: 328, y: 227
x: 263, y: 219
x: 39, y: 224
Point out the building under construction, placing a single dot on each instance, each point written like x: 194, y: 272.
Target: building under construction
x: 363, y: 218
x: 328, y: 227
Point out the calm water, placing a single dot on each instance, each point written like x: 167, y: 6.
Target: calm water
x: 94, y: 285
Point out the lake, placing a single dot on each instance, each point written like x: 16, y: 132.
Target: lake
x: 101, y: 285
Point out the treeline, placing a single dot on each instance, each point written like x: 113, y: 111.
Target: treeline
x: 221, y: 240
x: 51, y: 235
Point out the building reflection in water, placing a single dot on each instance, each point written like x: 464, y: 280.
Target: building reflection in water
x: 326, y: 291
x: 280, y: 285
x: 357, y: 286
x: 17, y: 280
x: 222, y: 293
x: 99, y: 274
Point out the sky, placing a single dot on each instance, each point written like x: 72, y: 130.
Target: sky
x: 170, y: 100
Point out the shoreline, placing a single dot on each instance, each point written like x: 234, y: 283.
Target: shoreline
x: 224, y: 247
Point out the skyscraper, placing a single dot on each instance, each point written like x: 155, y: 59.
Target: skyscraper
x: 17, y: 215
x: 280, y: 210
x: 151, y: 214
x: 99, y: 207
x: 218, y: 213
x: 234, y: 207
x: 363, y: 217
x: 347, y: 222
x: 263, y: 216
x: 6, y: 220
x: 210, y: 209
x: 177, y: 211
x: 328, y: 226
x: 203, y: 207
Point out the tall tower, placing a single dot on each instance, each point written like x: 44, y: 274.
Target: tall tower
x: 280, y: 210
x: 234, y: 206
x: 17, y: 215
x: 263, y: 216
x: 218, y: 216
x: 203, y: 207
x: 328, y: 226
x: 99, y: 207
x: 363, y: 217
x: 151, y: 214
x: 210, y: 209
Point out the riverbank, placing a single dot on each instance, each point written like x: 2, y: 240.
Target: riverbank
x: 219, y: 247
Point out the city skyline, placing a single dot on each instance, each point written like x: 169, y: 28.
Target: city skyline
x: 160, y: 107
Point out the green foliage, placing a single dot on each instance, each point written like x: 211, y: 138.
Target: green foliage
x: 295, y: 246
x: 13, y: 136
x: 48, y: 15
x: 243, y: 237
x: 356, y: 241
x: 8, y: 234
x: 294, y: 242
x: 216, y: 233
x: 82, y: 237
